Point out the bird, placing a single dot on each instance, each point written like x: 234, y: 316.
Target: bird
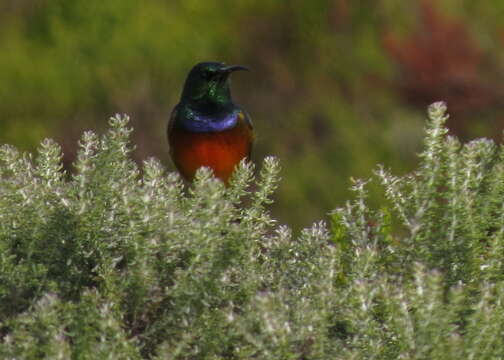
x: 206, y: 128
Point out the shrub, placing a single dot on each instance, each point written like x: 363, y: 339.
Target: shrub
x: 120, y: 261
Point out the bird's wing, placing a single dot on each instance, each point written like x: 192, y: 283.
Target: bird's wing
x: 244, y: 116
x: 171, y: 121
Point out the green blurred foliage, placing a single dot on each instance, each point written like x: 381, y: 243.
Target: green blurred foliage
x: 326, y: 93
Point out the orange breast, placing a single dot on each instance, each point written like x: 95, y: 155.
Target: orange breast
x: 221, y: 151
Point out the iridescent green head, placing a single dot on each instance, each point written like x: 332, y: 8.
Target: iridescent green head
x: 207, y: 84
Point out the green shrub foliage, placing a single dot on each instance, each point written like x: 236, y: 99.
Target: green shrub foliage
x: 121, y: 262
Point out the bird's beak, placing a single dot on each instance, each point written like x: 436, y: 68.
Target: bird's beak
x: 231, y: 68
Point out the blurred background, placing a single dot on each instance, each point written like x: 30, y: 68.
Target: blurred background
x: 336, y: 86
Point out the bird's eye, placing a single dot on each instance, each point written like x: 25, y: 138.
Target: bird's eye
x: 207, y: 75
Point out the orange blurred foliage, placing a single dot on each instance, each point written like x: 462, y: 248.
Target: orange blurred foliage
x: 441, y: 61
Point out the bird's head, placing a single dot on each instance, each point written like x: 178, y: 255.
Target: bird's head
x: 207, y: 84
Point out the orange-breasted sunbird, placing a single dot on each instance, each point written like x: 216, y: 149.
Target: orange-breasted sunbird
x: 206, y: 127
